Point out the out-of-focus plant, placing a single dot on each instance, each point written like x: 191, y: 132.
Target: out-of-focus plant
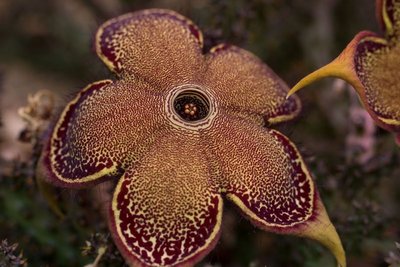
x: 101, y: 248
x: 9, y: 256
x: 393, y: 259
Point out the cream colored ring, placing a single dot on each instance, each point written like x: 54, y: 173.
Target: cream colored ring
x: 177, y: 121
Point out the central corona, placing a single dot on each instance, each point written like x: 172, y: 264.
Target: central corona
x: 190, y: 106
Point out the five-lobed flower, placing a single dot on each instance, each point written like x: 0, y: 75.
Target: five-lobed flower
x: 178, y: 131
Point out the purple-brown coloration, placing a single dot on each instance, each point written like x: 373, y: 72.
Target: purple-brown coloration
x: 69, y: 161
x: 365, y: 48
x: 280, y: 195
x: 110, y: 50
x: 178, y: 131
x: 141, y: 231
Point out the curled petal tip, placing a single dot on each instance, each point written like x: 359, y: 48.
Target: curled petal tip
x: 332, y: 241
x: 340, y: 68
x: 323, y: 231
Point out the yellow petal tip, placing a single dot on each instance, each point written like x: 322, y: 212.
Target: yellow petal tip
x: 328, y: 237
x: 341, y: 68
x: 322, y: 230
x: 295, y: 88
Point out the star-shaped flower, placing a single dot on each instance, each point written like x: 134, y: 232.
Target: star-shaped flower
x: 179, y: 131
x: 371, y: 64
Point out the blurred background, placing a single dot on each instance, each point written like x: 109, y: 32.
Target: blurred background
x: 47, y: 45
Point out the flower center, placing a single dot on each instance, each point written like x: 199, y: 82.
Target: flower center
x: 191, y: 105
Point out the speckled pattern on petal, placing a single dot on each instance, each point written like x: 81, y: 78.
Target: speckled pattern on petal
x: 377, y: 63
x: 246, y: 85
x: 388, y: 12
x: 106, y: 127
x: 168, y: 211
x: 378, y: 67
x: 159, y: 46
x: 181, y: 130
x: 262, y: 172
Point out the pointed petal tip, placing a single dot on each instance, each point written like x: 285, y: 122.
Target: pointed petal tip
x: 332, y: 241
x: 337, y: 68
x: 294, y: 89
x: 323, y: 231
x: 341, y: 67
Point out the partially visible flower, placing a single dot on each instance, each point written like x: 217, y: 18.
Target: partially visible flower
x: 372, y: 65
x: 179, y: 131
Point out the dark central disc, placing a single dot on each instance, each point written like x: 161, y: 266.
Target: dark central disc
x: 192, y: 105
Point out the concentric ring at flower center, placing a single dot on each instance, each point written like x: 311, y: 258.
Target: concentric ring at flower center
x: 190, y: 106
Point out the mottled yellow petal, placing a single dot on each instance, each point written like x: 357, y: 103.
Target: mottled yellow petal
x: 159, y: 46
x: 243, y: 83
x: 167, y: 211
x: 264, y: 175
x: 106, y: 127
x: 378, y: 66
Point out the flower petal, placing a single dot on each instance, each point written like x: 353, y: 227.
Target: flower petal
x: 264, y: 174
x: 248, y: 86
x: 167, y: 212
x: 377, y: 66
x: 100, y: 132
x: 160, y: 46
x: 388, y: 13
x: 370, y: 64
